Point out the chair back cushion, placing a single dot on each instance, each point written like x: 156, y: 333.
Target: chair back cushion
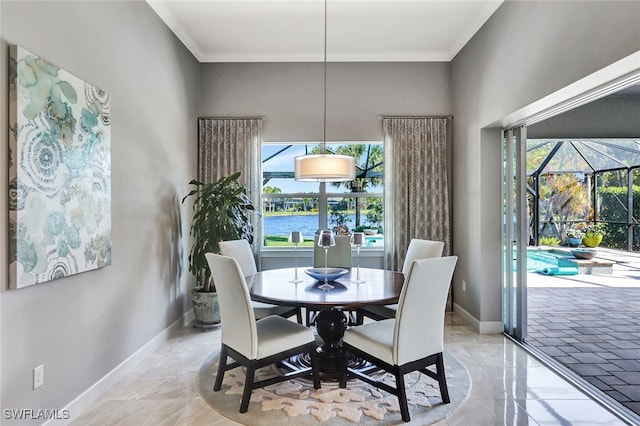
x: 241, y: 251
x: 338, y: 256
x: 421, y: 249
x: 419, y: 328
x: 238, y: 320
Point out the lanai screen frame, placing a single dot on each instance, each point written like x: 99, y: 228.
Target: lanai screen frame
x: 591, y: 156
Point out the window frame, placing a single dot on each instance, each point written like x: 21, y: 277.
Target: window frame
x: 322, y: 195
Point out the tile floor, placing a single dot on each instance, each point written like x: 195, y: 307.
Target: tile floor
x: 591, y: 325
x: 510, y: 387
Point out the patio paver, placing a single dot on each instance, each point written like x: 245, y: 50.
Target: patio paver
x: 591, y: 325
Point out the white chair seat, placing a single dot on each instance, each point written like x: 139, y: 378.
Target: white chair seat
x: 262, y: 310
x: 261, y: 305
x: 275, y: 332
x: 375, y: 338
x: 387, y: 311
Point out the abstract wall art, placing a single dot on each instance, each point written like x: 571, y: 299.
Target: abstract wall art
x: 59, y: 172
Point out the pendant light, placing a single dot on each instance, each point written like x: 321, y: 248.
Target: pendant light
x: 324, y: 167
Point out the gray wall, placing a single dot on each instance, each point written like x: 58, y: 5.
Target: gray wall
x: 526, y: 51
x: 610, y: 117
x: 290, y: 95
x: 83, y: 326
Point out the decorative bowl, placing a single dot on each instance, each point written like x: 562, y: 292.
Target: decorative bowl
x: 370, y: 231
x: 332, y: 273
x: 583, y: 253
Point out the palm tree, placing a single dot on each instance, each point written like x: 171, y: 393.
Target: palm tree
x: 271, y: 190
x: 368, y: 158
x: 566, y: 197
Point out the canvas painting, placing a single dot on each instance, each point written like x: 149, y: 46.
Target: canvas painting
x: 59, y: 172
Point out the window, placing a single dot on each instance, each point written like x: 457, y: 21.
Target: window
x: 288, y: 205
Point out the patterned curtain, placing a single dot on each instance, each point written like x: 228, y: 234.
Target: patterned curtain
x: 229, y: 145
x: 416, y: 187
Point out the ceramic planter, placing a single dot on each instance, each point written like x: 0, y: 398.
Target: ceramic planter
x: 592, y: 241
x: 205, y: 307
x: 574, y: 242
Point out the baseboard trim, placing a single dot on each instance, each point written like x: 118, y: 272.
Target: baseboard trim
x: 481, y: 327
x: 91, y: 395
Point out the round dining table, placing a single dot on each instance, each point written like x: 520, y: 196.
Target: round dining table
x: 379, y: 287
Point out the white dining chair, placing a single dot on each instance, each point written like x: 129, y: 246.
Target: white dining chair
x: 255, y: 344
x: 414, y: 339
x: 418, y: 249
x: 241, y: 251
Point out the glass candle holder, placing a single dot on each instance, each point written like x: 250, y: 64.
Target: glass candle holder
x: 326, y: 240
x: 295, y: 237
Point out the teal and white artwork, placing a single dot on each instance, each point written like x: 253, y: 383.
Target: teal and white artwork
x: 59, y: 172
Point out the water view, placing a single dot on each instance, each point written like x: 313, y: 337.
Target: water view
x: 280, y: 226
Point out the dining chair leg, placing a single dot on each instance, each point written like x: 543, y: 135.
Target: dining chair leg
x: 402, y: 396
x: 299, y: 316
x: 248, y: 388
x: 442, y: 379
x: 222, y: 365
x: 315, y: 368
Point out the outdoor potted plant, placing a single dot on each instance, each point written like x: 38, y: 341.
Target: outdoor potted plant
x: 339, y: 221
x: 593, y: 235
x: 221, y: 212
x: 574, y: 237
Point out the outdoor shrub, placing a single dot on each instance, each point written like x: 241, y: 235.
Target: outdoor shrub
x: 613, y: 208
x: 549, y: 241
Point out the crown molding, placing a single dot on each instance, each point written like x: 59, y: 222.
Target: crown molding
x: 161, y: 9
x: 178, y: 29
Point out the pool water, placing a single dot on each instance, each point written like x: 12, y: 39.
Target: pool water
x: 374, y: 240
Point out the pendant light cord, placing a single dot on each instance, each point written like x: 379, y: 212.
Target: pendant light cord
x: 324, y: 116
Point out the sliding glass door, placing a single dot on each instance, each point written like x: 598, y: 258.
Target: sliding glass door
x: 515, y: 232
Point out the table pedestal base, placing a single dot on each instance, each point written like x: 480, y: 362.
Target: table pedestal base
x: 330, y: 324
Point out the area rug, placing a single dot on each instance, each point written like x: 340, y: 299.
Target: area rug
x: 296, y: 402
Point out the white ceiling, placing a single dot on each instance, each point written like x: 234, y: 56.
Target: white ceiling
x: 293, y: 30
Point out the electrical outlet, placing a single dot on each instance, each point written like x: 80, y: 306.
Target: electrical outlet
x: 464, y: 285
x: 38, y: 376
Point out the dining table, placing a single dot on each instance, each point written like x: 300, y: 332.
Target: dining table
x: 376, y: 287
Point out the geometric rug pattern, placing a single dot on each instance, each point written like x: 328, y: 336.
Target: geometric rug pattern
x: 296, y: 402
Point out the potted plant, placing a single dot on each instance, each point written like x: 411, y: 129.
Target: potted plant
x: 574, y: 237
x: 593, y: 235
x: 221, y: 212
x: 339, y: 221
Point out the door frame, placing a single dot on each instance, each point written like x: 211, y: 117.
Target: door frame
x: 610, y: 79
x: 515, y: 235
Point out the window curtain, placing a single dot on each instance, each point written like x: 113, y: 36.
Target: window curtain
x: 416, y: 184
x: 229, y: 145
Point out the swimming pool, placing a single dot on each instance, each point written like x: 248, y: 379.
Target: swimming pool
x: 562, y: 262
